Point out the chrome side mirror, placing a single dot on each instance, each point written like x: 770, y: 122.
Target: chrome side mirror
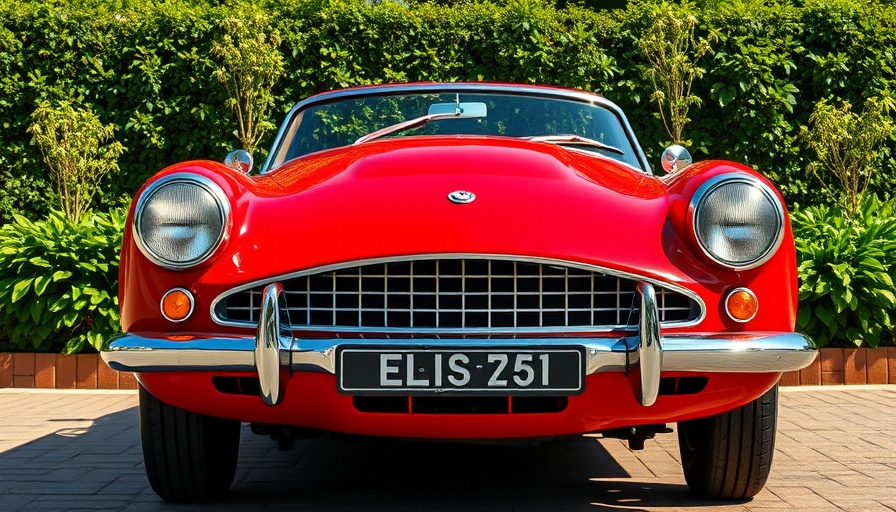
x: 675, y: 158
x: 239, y: 159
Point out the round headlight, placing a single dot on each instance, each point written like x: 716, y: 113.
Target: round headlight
x: 180, y: 219
x: 737, y: 220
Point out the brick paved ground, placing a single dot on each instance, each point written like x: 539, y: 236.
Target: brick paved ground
x: 68, y: 450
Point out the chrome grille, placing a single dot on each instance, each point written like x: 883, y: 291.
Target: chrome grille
x: 444, y: 295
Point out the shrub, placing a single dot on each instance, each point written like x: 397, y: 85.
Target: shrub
x: 59, y: 281
x: 847, y: 145
x: 251, y: 64
x: 847, y: 268
x: 672, y: 51
x: 79, y: 150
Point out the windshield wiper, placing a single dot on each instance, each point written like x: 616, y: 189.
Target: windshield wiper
x: 414, y: 123
x: 575, y: 140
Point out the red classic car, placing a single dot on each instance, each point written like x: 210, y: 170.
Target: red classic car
x: 458, y: 261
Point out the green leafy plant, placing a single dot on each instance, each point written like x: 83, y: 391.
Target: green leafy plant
x: 847, y: 144
x: 672, y: 50
x: 847, y: 268
x: 251, y: 64
x: 79, y: 150
x: 59, y: 281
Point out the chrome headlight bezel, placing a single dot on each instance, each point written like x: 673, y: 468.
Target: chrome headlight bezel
x: 712, y: 185
x: 209, y: 186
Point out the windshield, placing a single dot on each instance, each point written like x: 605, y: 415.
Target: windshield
x: 341, y: 123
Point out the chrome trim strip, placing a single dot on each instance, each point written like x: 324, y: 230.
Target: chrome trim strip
x: 386, y: 332
x: 650, y: 346
x: 419, y: 257
x: 716, y: 182
x: 395, y: 89
x: 201, y: 181
x: 753, y: 352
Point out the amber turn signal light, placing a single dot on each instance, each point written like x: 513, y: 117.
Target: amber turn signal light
x: 177, y: 305
x: 741, y: 305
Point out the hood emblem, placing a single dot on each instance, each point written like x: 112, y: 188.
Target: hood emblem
x: 461, y: 197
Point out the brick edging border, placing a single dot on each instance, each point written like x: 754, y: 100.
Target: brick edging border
x: 89, y: 371
x: 57, y: 371
x: 846, y: 366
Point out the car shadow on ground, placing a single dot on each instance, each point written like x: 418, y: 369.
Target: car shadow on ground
x: 99, y: 466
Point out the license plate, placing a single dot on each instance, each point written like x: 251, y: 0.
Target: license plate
x: 480, y: 370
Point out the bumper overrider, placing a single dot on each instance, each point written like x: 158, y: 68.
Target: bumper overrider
x: 643, y: 352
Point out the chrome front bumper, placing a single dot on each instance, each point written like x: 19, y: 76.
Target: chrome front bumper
x: 646, y: 350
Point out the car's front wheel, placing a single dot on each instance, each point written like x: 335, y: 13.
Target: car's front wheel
x: 188, y: 456
x: 729, y: 455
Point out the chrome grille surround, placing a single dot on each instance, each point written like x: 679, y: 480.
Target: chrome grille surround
x: 457, y: 294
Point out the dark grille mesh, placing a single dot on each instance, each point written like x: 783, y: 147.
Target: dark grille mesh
x: 455, y: 294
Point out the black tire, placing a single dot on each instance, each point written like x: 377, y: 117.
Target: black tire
x: 189, y: 457
x: 729, y: 455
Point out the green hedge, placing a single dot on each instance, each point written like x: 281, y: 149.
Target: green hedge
x: 146, y: 67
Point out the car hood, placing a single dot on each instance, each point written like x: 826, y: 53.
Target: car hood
x: 426, y: 157
x: 389, y: 198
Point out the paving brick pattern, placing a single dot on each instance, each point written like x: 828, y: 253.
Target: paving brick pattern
x: 76, y: 450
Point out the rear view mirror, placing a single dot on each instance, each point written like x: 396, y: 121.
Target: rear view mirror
x: 469, y: 109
